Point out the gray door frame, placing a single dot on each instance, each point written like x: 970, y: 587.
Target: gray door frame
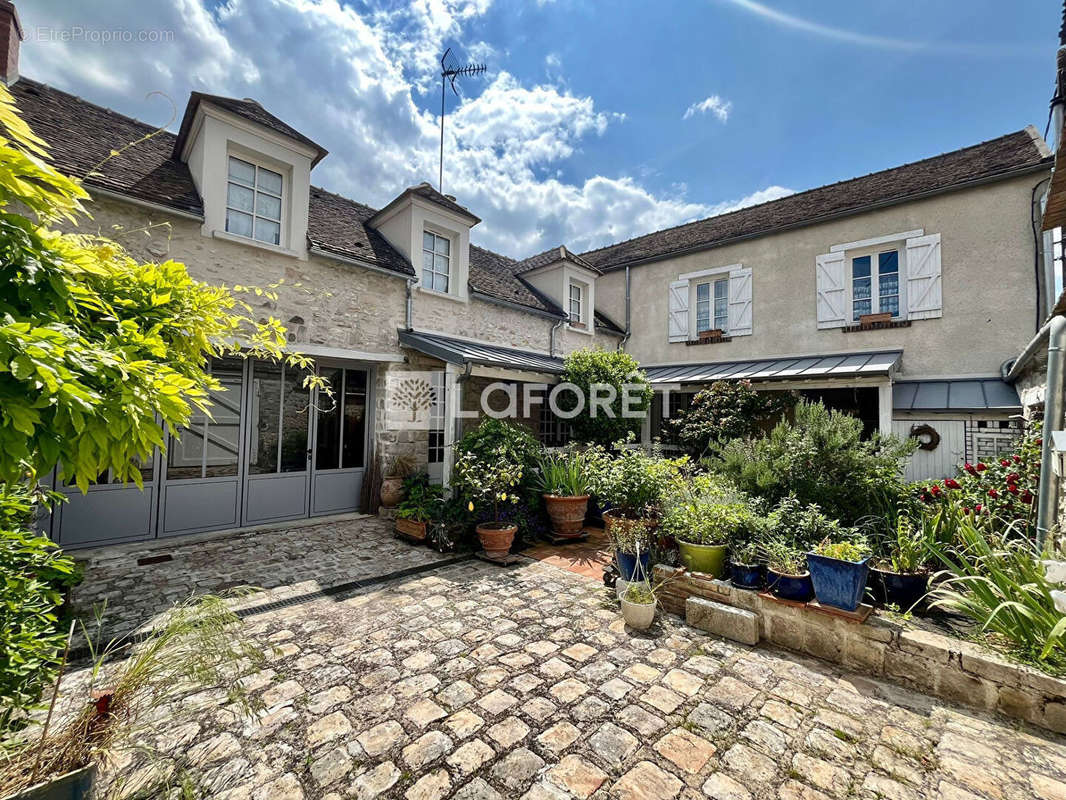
x: 359, y: 473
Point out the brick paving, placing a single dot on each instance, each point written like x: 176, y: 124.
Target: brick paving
x: 477, y: 682
x: 588, y: 557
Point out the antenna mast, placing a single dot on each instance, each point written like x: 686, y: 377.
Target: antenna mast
x: 449, y: 74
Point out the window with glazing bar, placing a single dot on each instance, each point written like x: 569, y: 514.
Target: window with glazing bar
x: 253, y: 201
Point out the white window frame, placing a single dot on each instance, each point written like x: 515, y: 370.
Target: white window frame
x: 874, y: 252
x: 256, y: 191
x: 449, y: 276
x: 713, y: 318
x: 579, y: 300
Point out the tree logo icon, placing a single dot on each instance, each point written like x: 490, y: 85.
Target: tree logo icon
x: 411, y: 400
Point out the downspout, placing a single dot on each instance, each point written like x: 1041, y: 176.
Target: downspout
x: 460, y: 379
x: 409, y: 321
x: 629, y: 328
x: 1047, y: 508
x: 551, y: 338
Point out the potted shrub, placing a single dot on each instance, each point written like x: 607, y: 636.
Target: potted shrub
x: 631, y: 539
x: 746, y: 570
x: 787, y: 576
x: 703, y: 532
x: 492, y: 481
x: 562, y: 482
x: 398, y: 469
x: 900, y: 575
x: 838, y: 571
x: 421, y: 501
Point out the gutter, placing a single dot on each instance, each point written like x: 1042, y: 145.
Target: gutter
x: 93, y: 189
x: 551, y: 337
x: 629, y: 322
x: 1043, y: 165
x: 1047, y: 508
x: 410, y: 304
x: 1031, y: 350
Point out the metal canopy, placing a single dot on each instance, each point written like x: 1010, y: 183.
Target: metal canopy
x: 978, y: 394
x: 460, y: 352
x: 845, y: 365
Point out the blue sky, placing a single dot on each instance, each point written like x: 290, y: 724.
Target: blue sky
x: 579, y: 132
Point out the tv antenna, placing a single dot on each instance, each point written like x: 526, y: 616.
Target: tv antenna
x: 449, y: 75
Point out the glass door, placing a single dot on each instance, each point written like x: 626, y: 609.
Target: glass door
x: 277, y: 483
x: 201, y: 486
x: 339, y: 463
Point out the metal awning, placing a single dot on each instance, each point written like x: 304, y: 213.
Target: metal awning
x: 977, y: 394
x: 845, y: 365
x: 458, y: 351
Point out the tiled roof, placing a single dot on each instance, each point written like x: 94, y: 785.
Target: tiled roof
x: 427, y: 192
x: 337, y: 225
x: 552, y: 256
x: 1007, y: 154
x: 248, y: 109
x: 495, y: 275
x: 81, y: 136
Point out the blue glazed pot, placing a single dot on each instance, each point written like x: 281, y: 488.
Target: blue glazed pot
x: 837, y: 583
x: 627, y: 566
x: 790, y: 587
x: 747, y: 576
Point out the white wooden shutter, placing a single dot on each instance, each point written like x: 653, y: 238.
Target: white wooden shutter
x: 678, y: 322
x: 832, y: 294
x: 924, y: 292
x: 740, y: 302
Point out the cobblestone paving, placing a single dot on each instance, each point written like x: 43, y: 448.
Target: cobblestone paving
x: 282, y: 563
x: 477, y: 682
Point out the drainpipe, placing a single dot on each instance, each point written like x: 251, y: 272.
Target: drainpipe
x: 409, y: 323
x: 629, y: 329
x: 460, y: 379
x: 551, y: 339
x: 1053, y: 420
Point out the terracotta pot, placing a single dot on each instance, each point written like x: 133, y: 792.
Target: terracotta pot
x: 567, y: 514
x: 410, y: 528
x: 496, y: 541
x: 391, y: 491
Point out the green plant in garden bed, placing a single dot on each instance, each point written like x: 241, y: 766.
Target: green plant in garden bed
x: 422, y: 499
x: 822, y: 459
x: 493, y: 441
x: 589, y: 367
x: 728, y: 410
x: 908, y: 547
x: 632, y: 480
x: 993, y: 577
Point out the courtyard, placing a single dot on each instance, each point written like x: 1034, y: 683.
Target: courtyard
x: 394, y: 671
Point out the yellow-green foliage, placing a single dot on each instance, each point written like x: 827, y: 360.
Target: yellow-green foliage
x: 94, y: 344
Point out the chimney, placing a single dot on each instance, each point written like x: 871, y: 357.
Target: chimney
x: 10, y: 37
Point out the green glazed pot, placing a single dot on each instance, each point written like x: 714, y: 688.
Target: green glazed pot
x: 706, y: 558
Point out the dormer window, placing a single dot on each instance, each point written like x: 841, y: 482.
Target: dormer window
x: 253, y: 202
x: 436, y: 261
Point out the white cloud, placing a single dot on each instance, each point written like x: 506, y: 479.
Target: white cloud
x: 713, y: 104
x: 353, y: 82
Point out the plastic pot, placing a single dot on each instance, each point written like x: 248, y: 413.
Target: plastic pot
x: 706, y: 558
x: 838, y: 583
x: 902, y: 589
x: 790, y: 587
x: 747, y: 576
x: 627, y: 566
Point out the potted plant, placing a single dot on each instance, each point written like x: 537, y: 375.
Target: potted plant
x: 745, y: 568
x: 838, y: 571
x: 899, y: 576
x: 421, y: 501
x: 398, y: 469
x: 492, y: 480
x: 562, y: 482
x: 638, y: 605
x: 631, y: 540
x: 703, y: 532
x: 198, y: 647
x: 787, y: 575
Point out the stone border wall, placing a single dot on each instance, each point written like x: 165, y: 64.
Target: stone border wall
x: 934, y: 664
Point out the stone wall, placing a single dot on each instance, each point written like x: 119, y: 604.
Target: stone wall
x: 938, y: 665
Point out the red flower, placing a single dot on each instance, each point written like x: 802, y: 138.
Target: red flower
x: 1017, y: 459
x: 970, y: 468
x: 1012, y: 489
x: 1039, y: 442
x: 993, y: 493
x: 935, y: 489
x: 965, y: 510
x: 1027, y: 496
x: 981, y: 467
x: 1013, y: 477
x: 978, y: 508
x: 1004, y: 462
x: 951, y: 483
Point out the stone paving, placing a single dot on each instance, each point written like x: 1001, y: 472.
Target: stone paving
x: 477, y: 682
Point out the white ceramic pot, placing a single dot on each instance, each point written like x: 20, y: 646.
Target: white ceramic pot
x: 638, y: 615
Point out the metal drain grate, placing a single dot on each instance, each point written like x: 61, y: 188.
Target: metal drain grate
x: 337, y: 592
x: 146, y: 560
